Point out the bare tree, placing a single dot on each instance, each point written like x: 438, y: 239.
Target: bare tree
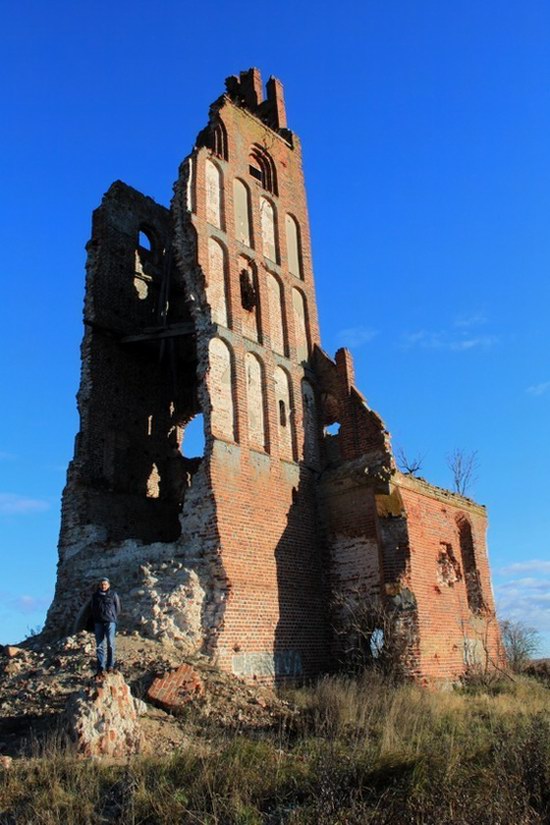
x: 409, y: 465
x: 463, y: 465
x: 520, y: 643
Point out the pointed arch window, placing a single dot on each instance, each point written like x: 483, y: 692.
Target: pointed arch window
x: 269, y: 233
x: 241, y: 202
x: 219, y: 140
x: 285, y: 431
x: 293, y: 246
x: 214, y: 137
x: 255, y: 401
x: 221, y: 381
x: 471, y: 573
x: 217, y: 285
x: 214, y: 211
x: 262, y: 168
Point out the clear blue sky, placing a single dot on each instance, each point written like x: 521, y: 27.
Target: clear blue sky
x: 425, y: 133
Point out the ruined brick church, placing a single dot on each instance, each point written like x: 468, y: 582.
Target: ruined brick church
x: 207, y: 309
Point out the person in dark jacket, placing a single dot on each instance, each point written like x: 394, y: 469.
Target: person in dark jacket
x: 105, y: 607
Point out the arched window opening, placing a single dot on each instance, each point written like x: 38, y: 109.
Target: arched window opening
x: 300, y: 325
x: 333, y: 429
x: 187, y: 459
x: 213, y: 175
x: 214, y: 137
x: 193, y: 440
x: 276, y: 313
x: 255, y: 170
x: 248, y: 290
x: 145, y: 241
x: 255, y: 401
x: 267, y: 220
x: 262, y: 168
x: 216, y: 289
x: 220, y: 382
x: 283, y: 400
x: 471, y: 573
x: 241, y: 203
x: 145, y: 262
x: 293, y: 247
x: 250, y: 299
x: 219, y: 140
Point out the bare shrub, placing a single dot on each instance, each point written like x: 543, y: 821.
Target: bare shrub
x: 410, y: 465
x: 520, y: 643
x: 369, y: 634
x: 463, y: 466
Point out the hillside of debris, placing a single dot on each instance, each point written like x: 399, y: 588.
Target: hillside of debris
x: 37, y: 681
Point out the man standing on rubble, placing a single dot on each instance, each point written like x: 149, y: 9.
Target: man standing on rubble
x: 105, y: 607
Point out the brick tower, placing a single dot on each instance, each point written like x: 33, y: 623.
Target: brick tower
x: 208, y: 310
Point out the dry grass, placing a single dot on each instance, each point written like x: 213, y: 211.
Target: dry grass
x: 358, y: 752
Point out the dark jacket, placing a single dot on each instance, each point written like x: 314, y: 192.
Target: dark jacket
x: 105, y: 606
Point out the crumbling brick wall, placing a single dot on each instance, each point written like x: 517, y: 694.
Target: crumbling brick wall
x: 456, y: 631
x: 208, y: 309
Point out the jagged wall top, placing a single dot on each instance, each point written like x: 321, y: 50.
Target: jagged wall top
x: 247, y: 90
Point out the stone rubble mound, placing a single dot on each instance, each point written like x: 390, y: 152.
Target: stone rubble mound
x: 39, y: 682
x: 102, y: 719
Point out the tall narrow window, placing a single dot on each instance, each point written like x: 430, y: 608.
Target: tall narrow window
x: 146, y: 257
x: 284, y: 419
x: 241, y: 202
x: 213, y: 194
x: 220, y: 383
x: 293, y: 250
x: 267, y: 217
x: 300, y: 325
x: 471, y: 573
x: 255, y: 401
x: 262, y: 168
x: 250, y: 302
x: 275, y: 300
x: 219, y: 140
x: 216, y: 290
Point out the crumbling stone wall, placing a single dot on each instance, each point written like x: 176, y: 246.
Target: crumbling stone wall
x: 209, y: 309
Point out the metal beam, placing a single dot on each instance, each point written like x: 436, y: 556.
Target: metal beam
x: 156, y: 334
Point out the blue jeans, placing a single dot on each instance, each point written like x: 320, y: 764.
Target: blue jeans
x: 105, y: 632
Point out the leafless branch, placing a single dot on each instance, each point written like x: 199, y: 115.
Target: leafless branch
x: 409, y: 465
x: 463, y: 465
x: 520, y: 643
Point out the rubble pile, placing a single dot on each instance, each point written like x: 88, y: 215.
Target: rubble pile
x: 38, y: 682
x: 102, y: 719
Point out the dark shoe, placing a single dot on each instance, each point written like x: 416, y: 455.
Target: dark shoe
x: 99, y: 674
